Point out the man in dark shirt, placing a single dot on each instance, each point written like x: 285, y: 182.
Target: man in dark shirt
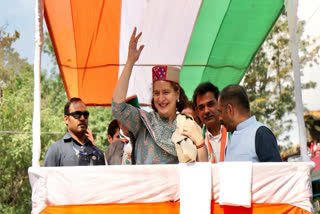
x: 74, y: 149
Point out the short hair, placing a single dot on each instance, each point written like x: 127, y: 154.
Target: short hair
x: 67, y: 106
x: 204, y: 88
x: 112, y: 128
x: 190, y: 105
x: 236, y: 95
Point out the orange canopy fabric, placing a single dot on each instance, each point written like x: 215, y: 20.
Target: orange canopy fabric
x: 210, y: 40
x: 85, y: 36
x: 170, y: 208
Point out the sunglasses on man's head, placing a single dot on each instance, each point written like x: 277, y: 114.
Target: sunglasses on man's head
x: 77, y: 114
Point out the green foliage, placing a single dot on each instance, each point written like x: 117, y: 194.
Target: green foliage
x: 315, y: 202
x: 16, y: 104
x: 100, y: 117
x: 16, y: 78
x: 269, y: 79
x: 53, y: 99
x: 48, y: 47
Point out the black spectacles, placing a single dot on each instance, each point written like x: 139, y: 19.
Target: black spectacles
x: 77, y: 114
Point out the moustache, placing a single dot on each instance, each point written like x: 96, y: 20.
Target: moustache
x: 80, y: 124
x: 208, y: 115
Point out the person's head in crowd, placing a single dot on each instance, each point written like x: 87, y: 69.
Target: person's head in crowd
x: 234, y: 106
x: 205, y: 98
x: 76, y: 118
x: 167, y: 95
x: 190, y: 110
x: 113, y: 131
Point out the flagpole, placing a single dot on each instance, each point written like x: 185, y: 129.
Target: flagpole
x: 36, y: 129
x: 292, y: 7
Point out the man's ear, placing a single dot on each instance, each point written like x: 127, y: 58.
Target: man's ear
x: 109, y: 138
x: 66, y: 119
x: 230, y: 109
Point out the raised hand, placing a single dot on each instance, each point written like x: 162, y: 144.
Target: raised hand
x: 133, y: 52
x: 90, y: 136
x: 120, y: 92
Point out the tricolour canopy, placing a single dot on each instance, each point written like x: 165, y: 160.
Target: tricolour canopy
x: 211, y: 40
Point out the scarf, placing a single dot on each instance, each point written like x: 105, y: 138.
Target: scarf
x: 160, y: 130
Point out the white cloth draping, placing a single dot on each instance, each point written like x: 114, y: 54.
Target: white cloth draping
x: 288, y: 183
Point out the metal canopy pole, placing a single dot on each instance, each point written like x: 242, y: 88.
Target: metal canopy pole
x: 36, y: 129
x: 292, y: 7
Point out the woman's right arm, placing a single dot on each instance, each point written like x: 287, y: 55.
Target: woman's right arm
x: 120, y: 92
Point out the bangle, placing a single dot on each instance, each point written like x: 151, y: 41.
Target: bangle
x: 201, y: 145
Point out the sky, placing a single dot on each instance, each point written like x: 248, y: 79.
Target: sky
x: 309, y: 10
x: 19, y: 15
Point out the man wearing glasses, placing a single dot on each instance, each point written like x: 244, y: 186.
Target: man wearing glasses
x: 74, y: 149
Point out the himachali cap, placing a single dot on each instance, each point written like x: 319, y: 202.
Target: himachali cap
x: 167, y: 73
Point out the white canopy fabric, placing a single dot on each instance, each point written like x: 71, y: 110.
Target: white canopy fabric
x: 287, y: 183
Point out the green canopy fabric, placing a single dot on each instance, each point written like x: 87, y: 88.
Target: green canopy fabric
x: 211, y: 40
x: 225, y: 38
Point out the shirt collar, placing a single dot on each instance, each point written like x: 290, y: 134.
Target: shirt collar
x: 246, y: 123
x: 211, y: 135
x: 67, y: 138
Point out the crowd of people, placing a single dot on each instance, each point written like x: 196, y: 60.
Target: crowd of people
x: 215, y: 126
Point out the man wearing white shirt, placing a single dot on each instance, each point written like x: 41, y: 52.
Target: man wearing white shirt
x: 205, y: 98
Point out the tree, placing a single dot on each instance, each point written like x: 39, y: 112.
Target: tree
x: 16, y: 79
x: 16, y: 103
x: 269, y: 79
